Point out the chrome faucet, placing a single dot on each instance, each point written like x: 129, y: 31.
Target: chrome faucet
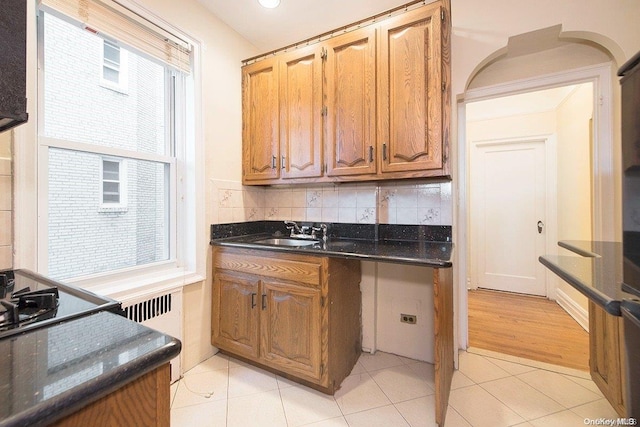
x: 306, y: 232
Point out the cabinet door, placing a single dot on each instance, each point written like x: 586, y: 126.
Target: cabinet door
x: 605, y: 356
x: 300, y: 113
x: 410, y: 92
x: 291, y: 328
x: 350, y: 93
x: 260, y: 121
x: 236, y: 313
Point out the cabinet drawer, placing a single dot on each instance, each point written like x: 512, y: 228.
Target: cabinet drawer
x: 297, y: 270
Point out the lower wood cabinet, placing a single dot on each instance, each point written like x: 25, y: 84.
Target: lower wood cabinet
x: 296, y: 315
x: 144, y: 402
x: 606, y: 354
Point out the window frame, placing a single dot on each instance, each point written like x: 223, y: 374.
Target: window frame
x: 183, y: 264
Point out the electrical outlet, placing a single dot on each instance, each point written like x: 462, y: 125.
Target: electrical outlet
x: 408, y: 318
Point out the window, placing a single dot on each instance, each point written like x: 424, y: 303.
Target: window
x: 114, y: 73
x: 125, y: 149
x: 113, y: 191
x: 111, y: 62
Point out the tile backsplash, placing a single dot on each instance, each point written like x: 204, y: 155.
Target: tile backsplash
x: 412, y: 203
x: 6, y: 204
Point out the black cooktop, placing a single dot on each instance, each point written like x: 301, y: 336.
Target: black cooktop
x: 29, y: 300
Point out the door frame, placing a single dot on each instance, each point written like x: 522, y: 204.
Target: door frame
x: 549, y: 142
x: 602, y: 175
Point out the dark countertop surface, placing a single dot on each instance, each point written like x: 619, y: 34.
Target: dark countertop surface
x: 52, y: 372
x: 414, y: 245
x: 596, y: 273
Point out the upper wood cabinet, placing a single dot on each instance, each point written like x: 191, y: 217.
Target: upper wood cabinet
x: 370, y: 104
x: 410, y: 92
x: 260, y: 121
x: 301, y: 113
x: 350, y: 91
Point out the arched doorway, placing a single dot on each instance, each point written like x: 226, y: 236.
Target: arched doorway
x: 533, y: 61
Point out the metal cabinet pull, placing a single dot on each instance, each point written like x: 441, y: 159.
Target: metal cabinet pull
x: 264, y: 301
x: 370, y: 153
x: 540, y: 226
x: 273, y: 162
x: 253, y: 300
x: 282, y: 165
x: 384, y: 151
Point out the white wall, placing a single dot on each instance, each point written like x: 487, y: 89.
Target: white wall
x: 574, y: 175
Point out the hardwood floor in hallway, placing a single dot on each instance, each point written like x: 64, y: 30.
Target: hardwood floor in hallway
x: 526, y: 326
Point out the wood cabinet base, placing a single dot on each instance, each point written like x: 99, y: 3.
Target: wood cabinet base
x: 143, y: 402
x: 296, y: 315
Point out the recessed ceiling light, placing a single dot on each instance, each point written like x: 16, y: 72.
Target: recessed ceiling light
x: 269, y: 3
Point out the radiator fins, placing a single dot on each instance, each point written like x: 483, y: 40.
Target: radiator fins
x: 148, y: 309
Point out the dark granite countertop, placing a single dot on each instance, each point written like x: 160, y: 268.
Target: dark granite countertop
x: 52, y: 372
x: 596, y: 273
x: 428, y: 246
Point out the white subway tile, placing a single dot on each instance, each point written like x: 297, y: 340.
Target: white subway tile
x: 366, y: 215
x: 314, y: 214
x: 429, y: 197
x: 330, y: 198
x: 330, y: 214
x: 6, y: 258
x: 5, y: 228
x: 5, y: 193
x: 347, y: 215
x: 299, y: 199
x: 429, y: 216
x: 407, y: 198
x: 314, y: 198
x: 407, y: 216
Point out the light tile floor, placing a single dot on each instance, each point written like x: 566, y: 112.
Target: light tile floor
x: 489, y: 389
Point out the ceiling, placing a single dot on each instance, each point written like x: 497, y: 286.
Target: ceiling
x: 293, y: 20
x: 515, y: 105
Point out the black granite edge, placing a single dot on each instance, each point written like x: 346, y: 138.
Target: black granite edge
x: 71, y: 401
x: 374, y: 232
x: 610, y: 305
x: 358, y: 253
x: 575, y: 249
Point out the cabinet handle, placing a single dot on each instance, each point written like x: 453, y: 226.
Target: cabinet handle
x: 370, y: 153
x: 253, y: 300
x: 264, y: 301
x: 282, y: 165
x: 273, y: 162
x: 384, y: 151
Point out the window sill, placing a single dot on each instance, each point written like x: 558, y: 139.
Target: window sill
x: 141, y: 285
x: 113, y: 209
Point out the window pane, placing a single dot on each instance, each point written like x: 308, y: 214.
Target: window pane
x: 77, y: 108
x: 84, y: 238
x: 111, y: 74
x: 110, y: 170
x: 111, y: 52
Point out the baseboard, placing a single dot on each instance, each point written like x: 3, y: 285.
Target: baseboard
x: 574, y: 310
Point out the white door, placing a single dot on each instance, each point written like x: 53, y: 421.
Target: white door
x: 508, y: 215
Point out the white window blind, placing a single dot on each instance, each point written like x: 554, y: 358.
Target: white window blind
x: 114, y: 21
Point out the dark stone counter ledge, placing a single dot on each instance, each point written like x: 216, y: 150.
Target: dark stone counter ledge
x: 415, y: 245
x: 49, y: 373
x: 596, y: 273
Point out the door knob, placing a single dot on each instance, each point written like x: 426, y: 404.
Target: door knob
x: 540, y: 226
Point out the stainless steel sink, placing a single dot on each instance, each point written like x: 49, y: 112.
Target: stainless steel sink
x: 286, y: 242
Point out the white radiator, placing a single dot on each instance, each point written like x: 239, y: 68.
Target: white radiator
x: 162, y: 312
